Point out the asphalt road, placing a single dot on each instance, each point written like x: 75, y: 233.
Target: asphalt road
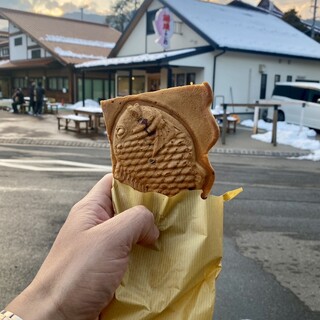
x: 272, y: 230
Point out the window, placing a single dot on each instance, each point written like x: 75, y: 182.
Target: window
x: 96, y: 89
x: 109, y: 86
x: 35, y: 54
x: 88, y: 88
x: 263, y: 86
x: 173, y: 80
x: 289, y: 78
x: 277, y: 78
x: 191, y: 78
x: 314, y: 96
x: 180, y: 79
x: 4, y: 52
x: 297, y: 93
x: 20, y: 83
x: 151, y: 15
x: 290, y: 92
x: 58, y: 83
x: 97, y: 93
x: 52, y: 83
x: 138, y: 85
x: 18, y: 41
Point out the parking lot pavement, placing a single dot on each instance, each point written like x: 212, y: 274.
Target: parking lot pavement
x: 27, y: 129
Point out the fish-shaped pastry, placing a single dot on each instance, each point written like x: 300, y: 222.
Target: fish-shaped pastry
x: 160, y: 140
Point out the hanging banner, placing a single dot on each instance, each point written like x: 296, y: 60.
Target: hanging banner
x: 163, y: 25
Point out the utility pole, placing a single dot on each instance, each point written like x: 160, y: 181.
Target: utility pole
x: 314, y: 18
x: 81, y: 9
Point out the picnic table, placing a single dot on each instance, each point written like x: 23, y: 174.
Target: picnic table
x: 94, y: 114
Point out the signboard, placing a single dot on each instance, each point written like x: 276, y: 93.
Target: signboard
x: 164, y: 26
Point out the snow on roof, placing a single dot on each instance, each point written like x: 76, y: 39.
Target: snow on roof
x: 146, y: 57
x: 241, y: 29
x: 83, y: 42
x: 70, y: 54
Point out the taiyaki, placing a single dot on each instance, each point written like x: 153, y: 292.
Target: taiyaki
x: 160, y: 140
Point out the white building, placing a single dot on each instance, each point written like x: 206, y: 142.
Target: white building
x: 241, y: 52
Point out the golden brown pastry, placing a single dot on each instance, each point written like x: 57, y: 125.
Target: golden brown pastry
x: 160, y: 140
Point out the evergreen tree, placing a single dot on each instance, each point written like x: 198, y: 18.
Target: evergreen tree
x: 293, y: 19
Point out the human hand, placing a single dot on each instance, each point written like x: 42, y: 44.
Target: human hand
x: 87, y: 260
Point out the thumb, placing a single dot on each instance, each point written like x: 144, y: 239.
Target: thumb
x: 135, y: 225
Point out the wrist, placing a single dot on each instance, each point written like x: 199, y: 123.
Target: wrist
x: 34, y: 304
x: 7, y: 315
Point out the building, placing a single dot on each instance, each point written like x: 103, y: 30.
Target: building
x: 239, y: 51
x: 46, y: 49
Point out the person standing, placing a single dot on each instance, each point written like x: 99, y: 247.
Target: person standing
x: 18, y: 99
x: 39, y: 99
x: 32, y: 90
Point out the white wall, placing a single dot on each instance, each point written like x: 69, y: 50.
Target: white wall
x: 135, y: 44
x: 30, y: 42
x: 139, y: 42
x: 238, y: 73
x: 13, y: 28
x: 18, y: 52
x: 203, y: 63
x: 23, y: 52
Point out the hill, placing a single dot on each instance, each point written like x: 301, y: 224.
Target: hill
x: 90, y: 17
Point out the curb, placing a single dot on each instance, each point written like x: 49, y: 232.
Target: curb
x: 253, y: 152
x: 52, y: 142
x: 101, y: 144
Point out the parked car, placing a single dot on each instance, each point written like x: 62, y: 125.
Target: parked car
x: 300, y: 103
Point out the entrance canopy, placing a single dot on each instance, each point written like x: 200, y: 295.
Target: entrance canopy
x: 142, y: 60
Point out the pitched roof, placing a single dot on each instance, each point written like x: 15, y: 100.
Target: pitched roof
x: 25, y: 64
x: 236, y: 29
x: 70, y: 41
x: 244, y: 30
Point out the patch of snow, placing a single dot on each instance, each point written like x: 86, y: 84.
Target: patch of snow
x: 68, y: 53
x: 289, y: 134
x: 314, y: 156
x: 4, y: 61
x: 87, y: 103
x: 82, y: 42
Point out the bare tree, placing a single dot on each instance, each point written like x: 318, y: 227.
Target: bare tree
x: 122, y: 13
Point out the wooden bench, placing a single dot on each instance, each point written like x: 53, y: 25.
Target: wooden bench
x: 76, y: 119
x: 23, y: 107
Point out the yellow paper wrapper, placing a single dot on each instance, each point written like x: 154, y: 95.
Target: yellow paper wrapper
x: 174, y: 279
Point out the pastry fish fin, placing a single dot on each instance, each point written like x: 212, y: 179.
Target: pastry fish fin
x: 164, y: 133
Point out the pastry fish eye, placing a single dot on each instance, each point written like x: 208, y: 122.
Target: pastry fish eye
x: 120, y: 132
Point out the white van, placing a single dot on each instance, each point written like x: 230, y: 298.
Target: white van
x: 300, y: 103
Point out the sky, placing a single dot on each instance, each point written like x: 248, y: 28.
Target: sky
x: 59, y: 7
